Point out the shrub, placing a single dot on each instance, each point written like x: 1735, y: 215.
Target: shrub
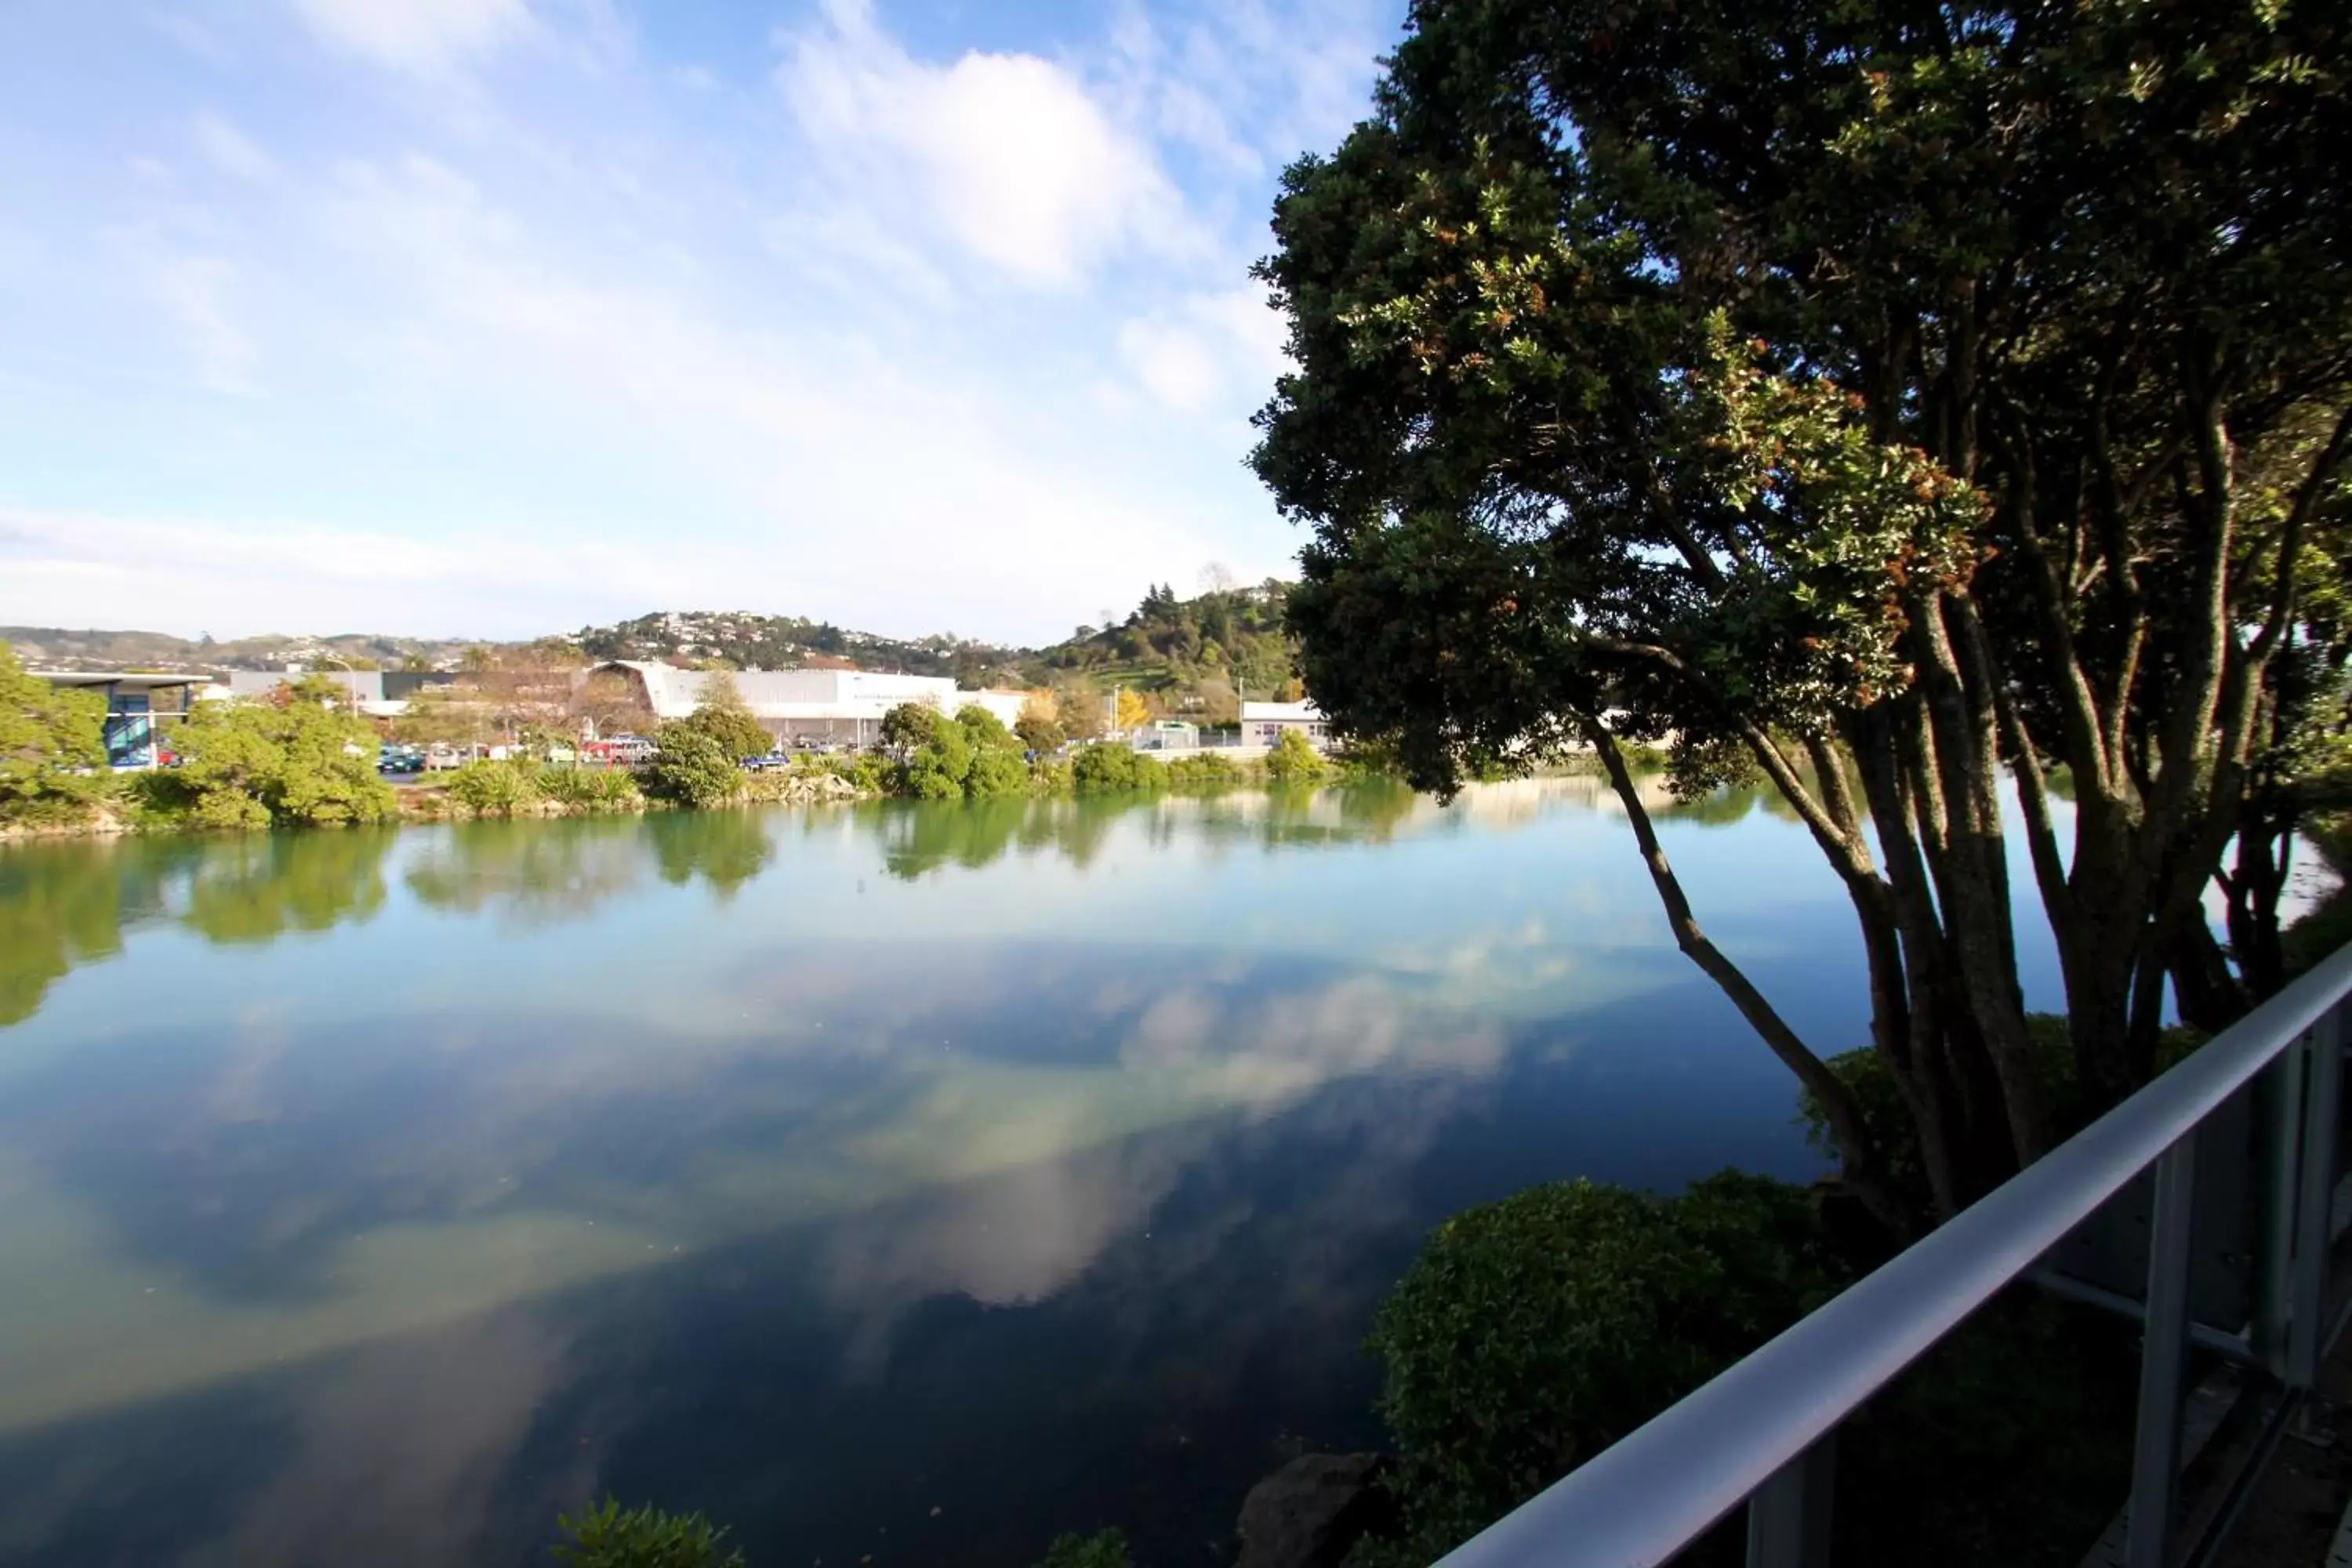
x: 1295, y: 761
x: 996, y: 774
x: 608, y: 1537
x: 592, y: 789
x: 1105, y: 1549
x: 1203, y: 773
x: 1531, y: 1332
x: 692, y: 768
x: 494, y: 789
x: 1109, y: 767
x: 1052, y: 775
x: 870, y: 773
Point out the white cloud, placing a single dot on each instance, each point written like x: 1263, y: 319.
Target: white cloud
x: 231, y: 150
x: 1213, y: 351
x: 422, y: 36
x: 193, y: 289
x: 198, y: 574
x: 1008, y: 155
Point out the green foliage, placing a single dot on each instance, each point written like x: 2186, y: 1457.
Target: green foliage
x: 1053, y: 775
x: 591, y: 789
x: 983, y: 731
x: 1531, y: 1332
x: 290, y: 760
x: 726, y: 718
x: 607, y: 1536
x: 907, y: 726
x: 1105, y: 1549
x: 1293, y: 760
x: 1204, y: 773
x: 996, y: 772
x: 937, y: 768
x: 870, y: 773
x: 1778, y: 371
x: 495, y: 788
x: 1109, y: 767
x: 47, y: 735
x: 1038, y: 732
x: 692, y: 768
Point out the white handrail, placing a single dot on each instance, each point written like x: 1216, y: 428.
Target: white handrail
x: 1645, y: 1497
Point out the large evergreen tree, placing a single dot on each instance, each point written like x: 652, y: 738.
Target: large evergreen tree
x: 1898, y: 398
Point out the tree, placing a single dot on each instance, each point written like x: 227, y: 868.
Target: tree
x: 47, y: 735
x: 298, y: 759
x: 1133, y: 712
x: 1880, y: 401
x: 1039, y: 727
x: 692, y: 766
x: 983, y: 731
x: 907, y: 726
x: 726, y: 718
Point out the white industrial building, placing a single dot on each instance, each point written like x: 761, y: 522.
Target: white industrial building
x: 827, y: 705
x: 1264, y: 722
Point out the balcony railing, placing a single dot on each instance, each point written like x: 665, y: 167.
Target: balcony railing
x: 2259, y: 1107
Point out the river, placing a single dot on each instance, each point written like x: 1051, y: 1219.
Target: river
x: 900, y: 1181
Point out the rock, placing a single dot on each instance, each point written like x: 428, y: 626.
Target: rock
x: 1310, y: 1511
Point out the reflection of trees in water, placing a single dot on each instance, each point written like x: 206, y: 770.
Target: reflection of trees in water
x: 536, y: 872
x: 921, y: 836
x: 67, y: 904
x: 724, y: 848
x: 60, y: 905
x: 256, y: 887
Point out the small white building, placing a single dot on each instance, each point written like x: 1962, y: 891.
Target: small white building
x: 1263, y: 724
x: 824, y: 705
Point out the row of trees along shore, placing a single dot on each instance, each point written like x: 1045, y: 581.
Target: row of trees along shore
x: 298, y: 757
x: 1905, y: 404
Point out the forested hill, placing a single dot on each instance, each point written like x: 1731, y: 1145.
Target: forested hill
x: 66, y: 648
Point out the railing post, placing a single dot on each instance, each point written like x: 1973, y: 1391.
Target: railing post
x: 2163, y: 1361
x: 1788, y: 1516
x: 2279, y: 1104
x: 2315, y: 1200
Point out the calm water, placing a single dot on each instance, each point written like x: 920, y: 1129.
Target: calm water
x: 900, y: 1181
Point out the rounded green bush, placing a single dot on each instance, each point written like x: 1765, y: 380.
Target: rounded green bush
x: 1531, y: 1332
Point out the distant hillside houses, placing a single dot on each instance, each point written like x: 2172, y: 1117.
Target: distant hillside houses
x: 843, y: 706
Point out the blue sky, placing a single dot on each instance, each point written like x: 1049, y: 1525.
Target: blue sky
x: 497, y: 317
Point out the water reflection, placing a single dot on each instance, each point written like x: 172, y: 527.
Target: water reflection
x: 1043, y: 1179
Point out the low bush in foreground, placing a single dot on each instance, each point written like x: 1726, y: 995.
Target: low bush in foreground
x: 608, y: 1536
x: 493, y: 788
x: 1110, y: 768
x: 592, y: 789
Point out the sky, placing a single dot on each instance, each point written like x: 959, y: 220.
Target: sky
x: 494, y: 318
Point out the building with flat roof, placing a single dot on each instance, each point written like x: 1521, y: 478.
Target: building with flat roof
x: 135, y: 718
x: 1264, y: 722
x: 831, y: 706
x: 378, y: 693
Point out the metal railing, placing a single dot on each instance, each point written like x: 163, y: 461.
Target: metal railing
x: 1763, y: 1432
